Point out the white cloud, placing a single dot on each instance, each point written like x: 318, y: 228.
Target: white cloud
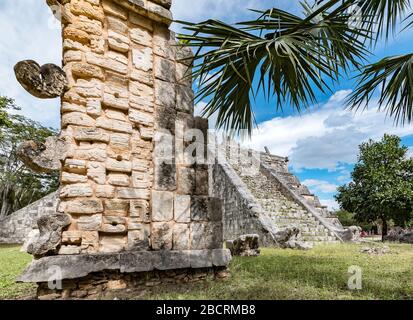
x: 331, y: 204
x: 324, y: 138
x: 339, y: 96
x: 26, y: 33
x: 320, y: 186
x: 226, y: 10
x: 345, y: 177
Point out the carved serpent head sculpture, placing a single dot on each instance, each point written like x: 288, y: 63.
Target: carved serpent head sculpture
x: 44, y: 82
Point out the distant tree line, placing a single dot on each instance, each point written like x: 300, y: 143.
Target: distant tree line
x: 19, y: 186
x: 381, y: 189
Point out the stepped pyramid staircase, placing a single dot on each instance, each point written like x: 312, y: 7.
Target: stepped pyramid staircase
x: 282, y: 198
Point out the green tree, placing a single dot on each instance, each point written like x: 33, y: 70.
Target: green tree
x: 20, y: 186
x: 382, y: 186
x: 288, y: 57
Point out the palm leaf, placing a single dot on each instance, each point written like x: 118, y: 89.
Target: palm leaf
x: 394, y: 75
x: 233, y: 63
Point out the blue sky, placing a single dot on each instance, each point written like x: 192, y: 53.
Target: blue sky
x: 321, y: 143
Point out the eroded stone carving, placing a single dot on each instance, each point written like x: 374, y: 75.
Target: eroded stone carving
x: 400, y: 235
x: 50, y: 235
x: 245, y: 246
x: 44, y: 82
x: 43, y: 157
x: 350, y: 234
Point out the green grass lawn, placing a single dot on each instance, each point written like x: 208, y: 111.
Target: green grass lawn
x: 320, y: 273
x: 12, y: 263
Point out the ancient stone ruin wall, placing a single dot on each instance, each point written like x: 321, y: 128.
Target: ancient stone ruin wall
x: 261, y: 196
x: 16, y: 227
x: 126, y: 83
x: 242, y: 214
x: 134, y: 197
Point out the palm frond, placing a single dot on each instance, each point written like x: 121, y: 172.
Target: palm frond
x: 381, y: 16
x: 290, y: 62
x: 393, y: 76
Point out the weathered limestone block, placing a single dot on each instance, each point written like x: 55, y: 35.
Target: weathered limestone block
x: 69, y: 250
x: 122, y: 180
x: 77, y: 119
x: 115, y: 207
x: 105, y: 191
x: 244, y: 246
x: 114, y: 125
x: 288, y: 238
x: 142, y: 58
x: 84, y: 206
x: 201, y: 180
x: 164, y: 69
x: 138, y: 236
x: 45, y: 82
x: 118, y: 42
x: 140, y: 117
x: 114, y: 9
x: 199, y: 208
x: 181, y: 235
x: 44, y: 157
x: 162, y: 39
x: 68, y: 178
x: 186, y: 180
x: 165, y: 94
x: 206, y: 235
x: 141, y: 36
x: 133, y: 193
x: 89, y: 223
x: 112, y: 243
x: 91, y: 134
x: 76, y: 190
x: 200, y: 258
x: 204, y: 208
x: 165, y: 176
x: 182, y: 208
x: 50, y: 234
x: 118, y: 165
x: 162, y: 206
x: 84, y: 70
x: 161, y: 235
x: 185, y: 98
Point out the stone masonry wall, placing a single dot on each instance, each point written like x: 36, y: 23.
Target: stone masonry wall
x: 126, y: 98
x: 257, y: 200
x: 242, y: 213
x: 15, y: 228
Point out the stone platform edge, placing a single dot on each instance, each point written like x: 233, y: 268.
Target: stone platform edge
x: 77, y: 266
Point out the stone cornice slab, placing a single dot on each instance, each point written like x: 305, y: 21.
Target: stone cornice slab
x: 78, y: 266
x: 157, y: 10
x: 149, y: 9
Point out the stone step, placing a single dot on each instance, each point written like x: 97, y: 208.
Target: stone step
x: 314, y: 234
x: 295, y: 220
x: 292, y: 216
x: 285, y: 212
